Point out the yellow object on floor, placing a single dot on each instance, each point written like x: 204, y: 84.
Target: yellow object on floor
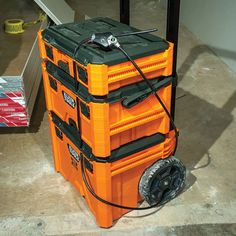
x: 16, y: 26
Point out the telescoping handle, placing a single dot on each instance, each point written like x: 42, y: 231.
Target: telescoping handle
x: 138, y: 97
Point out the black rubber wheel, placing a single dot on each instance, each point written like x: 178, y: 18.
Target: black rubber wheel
x: 162, y: 181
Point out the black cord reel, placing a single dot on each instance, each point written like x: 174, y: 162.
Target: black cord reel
x: 163, y: 180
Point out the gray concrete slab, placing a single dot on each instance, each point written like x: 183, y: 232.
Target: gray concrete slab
x: 34, y: 200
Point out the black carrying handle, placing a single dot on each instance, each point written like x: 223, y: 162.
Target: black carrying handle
x: 138, y: 97
x: 68, y: 130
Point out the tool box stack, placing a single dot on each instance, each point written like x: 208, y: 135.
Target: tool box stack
x: 108, y: 130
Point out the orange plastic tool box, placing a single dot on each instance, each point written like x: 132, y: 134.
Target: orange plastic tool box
x: 98, y: 70
x: 106, y: 123
x: 113, y: 136
x: 115, y: 179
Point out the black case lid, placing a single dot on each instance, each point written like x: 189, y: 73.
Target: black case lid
x: 66, y: 37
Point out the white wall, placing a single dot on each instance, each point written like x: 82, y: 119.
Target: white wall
x: 214, y: 23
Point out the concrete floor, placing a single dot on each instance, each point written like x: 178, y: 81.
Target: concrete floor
x: 15, y: 49
x: 34, y: 200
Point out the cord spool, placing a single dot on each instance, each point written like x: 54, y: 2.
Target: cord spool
x: 14, y: 26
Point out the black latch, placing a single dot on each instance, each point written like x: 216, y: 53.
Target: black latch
x: 85, y: 110
x: 64, y: 66
x: 53, y: 83
x: 49, y: 52
x: 82, y: 74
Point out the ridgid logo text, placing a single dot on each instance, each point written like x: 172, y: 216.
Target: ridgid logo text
x: 73, y: 153
x: 68, y: 99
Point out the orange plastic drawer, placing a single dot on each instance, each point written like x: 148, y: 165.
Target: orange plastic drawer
x: 101, y: 79
x: 104, y: 71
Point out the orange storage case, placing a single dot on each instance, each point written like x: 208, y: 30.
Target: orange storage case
x: 105, y: 125
x: 115, y: 181
x: 103, y: 72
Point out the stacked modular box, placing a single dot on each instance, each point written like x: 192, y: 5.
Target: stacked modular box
x: 102, y: 111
